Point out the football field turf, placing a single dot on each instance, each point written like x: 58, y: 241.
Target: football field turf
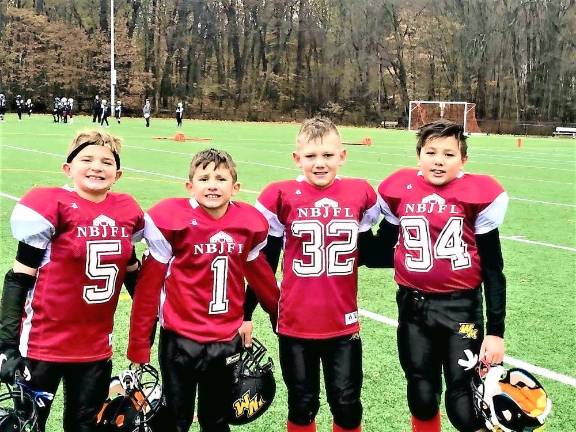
x: 538, y: 238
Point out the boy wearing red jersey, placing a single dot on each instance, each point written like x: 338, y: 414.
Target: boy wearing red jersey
x: 445, y: 223
x: 317, y: 218
x: 200, y: 250
x: 75, y: 249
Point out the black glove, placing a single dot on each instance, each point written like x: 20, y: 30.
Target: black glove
x: 12, y: 363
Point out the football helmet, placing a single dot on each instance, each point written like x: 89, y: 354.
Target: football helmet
x: 509, y: 400
x: 134, y: 402
x: 19, y: 407
x: 253, y: 387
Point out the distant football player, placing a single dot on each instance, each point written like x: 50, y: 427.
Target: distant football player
x: 55, y: 110
x: 71, y: 109
x: 75, y: 249
x: 200, y: 250
x: 64, y: 110
x: 96, y: 109
x: 19, y: 106
x: 318, y: 218
x: 118, y: 111
x: 2, y: 106
x: 147, y: 111
x: 29, y: 105
x: 104, y: 113
x: 445, y: 223
x: 179, y: 114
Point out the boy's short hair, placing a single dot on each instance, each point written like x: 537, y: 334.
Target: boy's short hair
x: 442, y: 128
x: 315, y: 128
x: 94, y: 137
x: 218, y: 157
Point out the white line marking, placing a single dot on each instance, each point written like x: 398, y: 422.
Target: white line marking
x: 543, y: 202
x: 12, y: 197
x: 521, y: 239
x: 564, y: 379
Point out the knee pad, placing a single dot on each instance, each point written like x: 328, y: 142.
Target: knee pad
x: 303, y: 412
x: 347, y: 415
x: 460, y: 410
x: 423, y: 399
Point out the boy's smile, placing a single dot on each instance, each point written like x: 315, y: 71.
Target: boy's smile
x: 212, y: 188
x: 320, y: 159
x: 440, y: 160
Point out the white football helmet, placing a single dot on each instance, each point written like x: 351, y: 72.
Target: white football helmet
x: 509, y: 400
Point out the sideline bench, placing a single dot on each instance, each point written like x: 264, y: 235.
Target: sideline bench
x: 389, y: 124
x: 566, y: 131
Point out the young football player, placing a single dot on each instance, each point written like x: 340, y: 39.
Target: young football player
x: 19, y: 106
x: 179, y: 114
x: 96, y: 109
x: 75, y: 250
x: 2, y: 106
x: 118, y: 111
x: 147, y: 111
x: 318, y: 218
x: 445, y: 223
x: 105, y: 112
x: 29, y: 106
x: 200, y: 250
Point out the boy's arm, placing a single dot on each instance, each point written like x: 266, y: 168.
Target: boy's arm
x: 378, y: 250
x: 132, y: 271
x: 145, y: 309
x: 494, y: 281
x: 272, y: 252
x: 262, y: 281
x: 17, y: 282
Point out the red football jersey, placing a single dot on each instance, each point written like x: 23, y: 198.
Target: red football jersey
x: 69, y: 313
x: 202, y: 263
x: 318, y: 298
x: 436, y: 250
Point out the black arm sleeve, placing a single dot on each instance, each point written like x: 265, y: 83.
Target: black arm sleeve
x: 132, y: 276
x: 272, y: 252
x: 494, y: 281
x: 378, y: 251
x: 29, y: 255
x: 16, y: 286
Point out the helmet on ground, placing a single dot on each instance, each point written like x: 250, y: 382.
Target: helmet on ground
x: 254, y: 387
x: 509, y: 400
x: 19, y: 407
x: 134, y: 403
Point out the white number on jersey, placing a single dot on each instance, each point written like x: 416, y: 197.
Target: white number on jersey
x: 219, y: 303
x: 319, y: 254
x: 449, y: 245
x: 95, y: 270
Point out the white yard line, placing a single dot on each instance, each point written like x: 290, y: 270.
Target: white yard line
x: 521, y: 239
x: 392, y: 322
x: 564, y: 379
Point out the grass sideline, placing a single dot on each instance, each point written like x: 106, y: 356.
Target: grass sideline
x: 539, y: 177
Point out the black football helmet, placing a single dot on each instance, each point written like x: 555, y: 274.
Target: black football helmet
x: 134, y: 402
x: 254, y: 387
x: 19, y: 407
x: 509, y: 400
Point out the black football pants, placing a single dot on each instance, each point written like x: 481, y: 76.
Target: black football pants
x: 341, y: 360
x: 185, y: 365
x: 86, y: 388
x: 434, y: 332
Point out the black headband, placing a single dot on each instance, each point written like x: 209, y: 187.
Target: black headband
x: 78, y: 149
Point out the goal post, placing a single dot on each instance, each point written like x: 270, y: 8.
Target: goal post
x: 422, y: 112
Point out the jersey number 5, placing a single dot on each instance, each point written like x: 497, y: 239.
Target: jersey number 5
x: 416, y: 235
x: 95, y: 270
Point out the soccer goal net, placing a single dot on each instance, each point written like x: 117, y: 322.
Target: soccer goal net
x: 464, y: 113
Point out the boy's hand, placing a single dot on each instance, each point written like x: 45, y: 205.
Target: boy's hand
x: 492, y: 349
x: 245, y: 332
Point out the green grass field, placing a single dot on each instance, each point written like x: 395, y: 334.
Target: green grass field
x: 538, y: 237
